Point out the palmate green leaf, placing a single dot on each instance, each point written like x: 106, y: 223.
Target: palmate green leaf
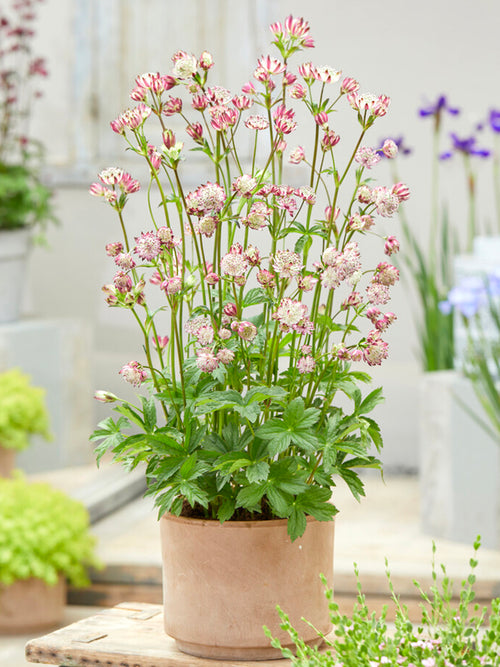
x: 294, y: 426
x: 258, y: 472
x: 255, y: 296
x: 279, y: 501
x: 110, y: 434
x: 315, y: 501
x: 263, y: 392
x: 373, y: 399
x: 250, y: 496
x: 351, y: 478
x: 226, y: 509
x: 132, y: 415
x: 297, y: 523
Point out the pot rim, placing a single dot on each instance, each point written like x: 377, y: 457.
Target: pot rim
x: 257, y: 523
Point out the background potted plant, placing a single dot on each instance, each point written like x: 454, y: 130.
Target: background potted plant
x: 451, y: 632
x: 23, y: 413
x: 25, y: 202
x: 253, y: 303
x: 44, y: 541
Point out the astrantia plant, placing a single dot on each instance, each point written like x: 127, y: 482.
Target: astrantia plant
x: 267, y: 312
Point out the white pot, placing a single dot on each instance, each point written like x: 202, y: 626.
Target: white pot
x: 14, y: 250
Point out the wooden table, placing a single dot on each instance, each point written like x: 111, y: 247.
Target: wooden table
x: 128, y: 635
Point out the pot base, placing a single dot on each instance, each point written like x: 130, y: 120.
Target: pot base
x: 31, y: 605
x: 247, y: 653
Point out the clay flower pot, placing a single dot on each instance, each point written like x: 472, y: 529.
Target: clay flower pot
x: 7, y: 461
x: 222, y: 582
x: 29, y: 605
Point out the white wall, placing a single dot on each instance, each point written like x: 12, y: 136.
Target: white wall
x: 95, y: 48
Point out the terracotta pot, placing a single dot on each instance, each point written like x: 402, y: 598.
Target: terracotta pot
x: 31, y: 605
x: 7, y: 461
x: 14, y: 252
x: 222, y: 582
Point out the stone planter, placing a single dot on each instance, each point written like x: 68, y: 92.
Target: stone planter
x: 14, y: 250
x: 459, y: 464
x: 30, y: 605
x: 222, y: 582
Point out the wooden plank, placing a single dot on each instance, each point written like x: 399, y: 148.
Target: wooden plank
x: 128, y: 635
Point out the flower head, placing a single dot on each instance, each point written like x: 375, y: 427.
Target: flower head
x: 287, y: 264
x: 438, y: 107
x: 133, y: 373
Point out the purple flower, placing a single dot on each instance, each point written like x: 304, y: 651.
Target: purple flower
x: 467, y: 297
x: 466, y: 146
x: 494, y: 119
x: 438, y: 107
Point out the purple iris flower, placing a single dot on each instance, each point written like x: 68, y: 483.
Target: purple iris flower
x: 470, y: 295
x: 466, y: 146
x: 439, y: 106
x: 495, y: 120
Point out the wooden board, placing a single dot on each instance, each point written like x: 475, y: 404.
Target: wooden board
x: 128, y: 635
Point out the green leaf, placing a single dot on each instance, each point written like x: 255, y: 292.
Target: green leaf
x: 258, y: 472
x: 250, y: 496
x: 188, y: 466
x: 315, y: 501
x: 149, y: 410
x: 255, y: 296
x: 374, y: 398
x: 351, y: 478
x: 226, y: 509
x: 280, y: 502
x: 297, y: 523
x: 130, y: 414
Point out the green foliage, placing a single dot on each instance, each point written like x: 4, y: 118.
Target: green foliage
x: 286, y: 463
x: 22, y: 410
x: 43, y: 534
x: 24, y: 200
x: 451, y: 631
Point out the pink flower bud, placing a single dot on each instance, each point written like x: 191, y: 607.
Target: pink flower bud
x: 230, y: 309
x: 349, y: 85
x: 206, y: 60
x: 172, y: 285
x: 389, y: 148
x: 169, y: 139
x: 321, y: 119
x: 114, y: 249
x: 212, y: 278
x: 401, y: 191
x: 105, y: 396
x: 391, y: 245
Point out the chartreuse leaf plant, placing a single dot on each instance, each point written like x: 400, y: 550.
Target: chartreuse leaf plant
x: 23, y: 410
x: 452, y: 632
x: 251, y: 294
x: 44, y: 534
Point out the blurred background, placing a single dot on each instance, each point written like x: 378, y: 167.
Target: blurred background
x: 94, y: 49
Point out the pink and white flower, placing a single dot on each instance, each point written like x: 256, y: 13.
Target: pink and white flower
x: 287, y: 263
x: 206, y: 360
x: 306, y: 364
x: 367, y: 157
x: 133, y: 373
x: 147, y: 246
